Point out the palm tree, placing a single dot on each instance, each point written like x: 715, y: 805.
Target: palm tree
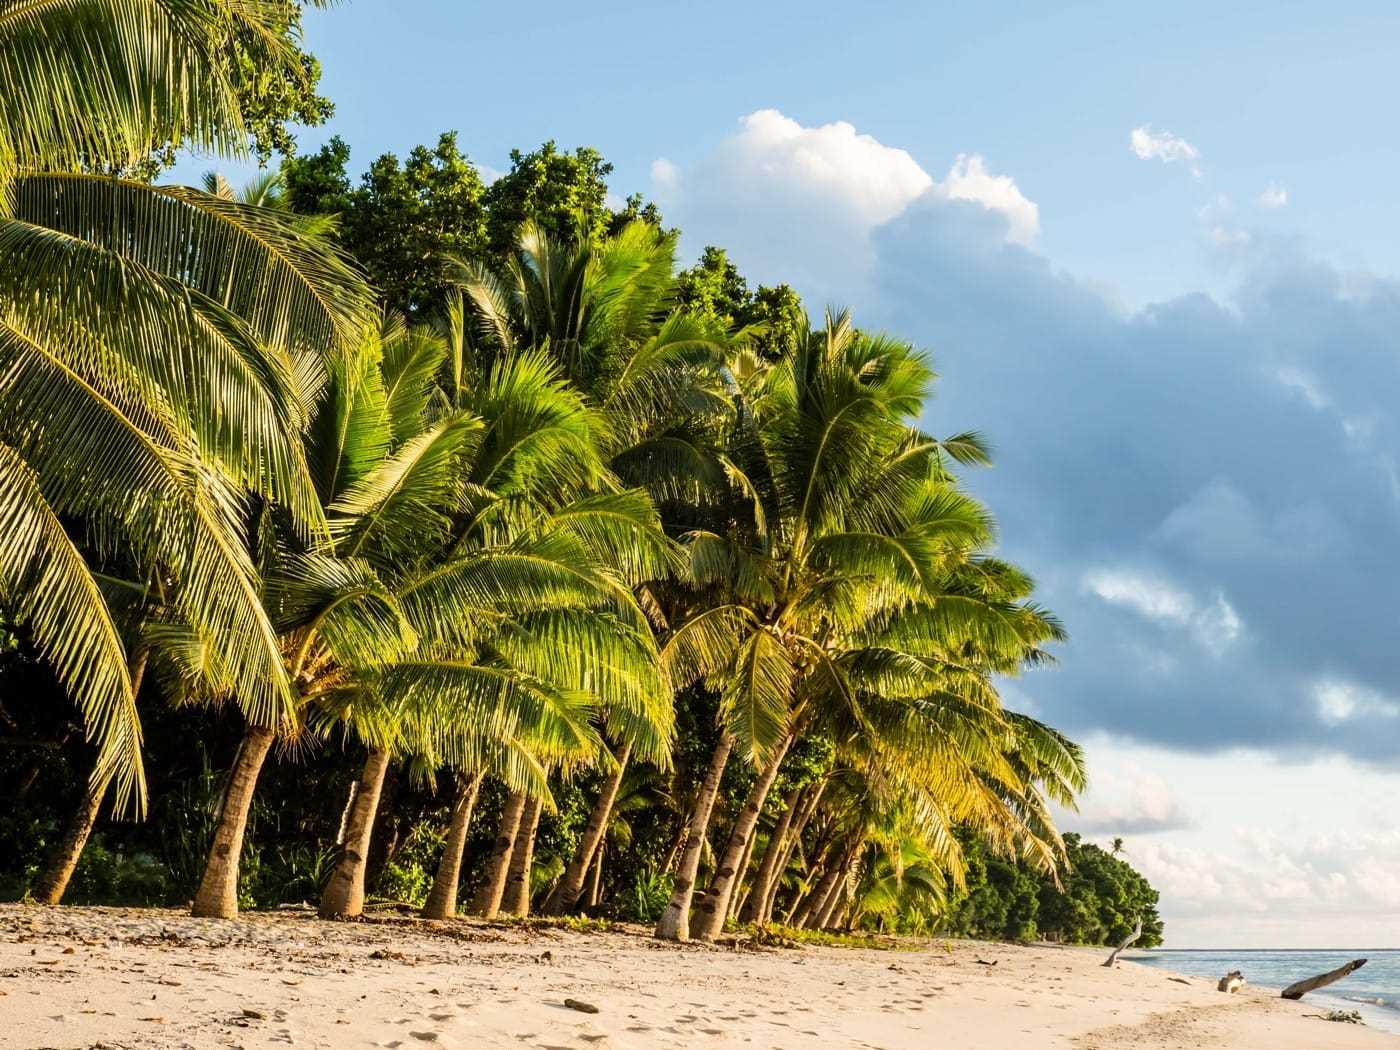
x: 842, y: 516
x: 467, y: 602
x: 156, y: 345
x: 603, y: 309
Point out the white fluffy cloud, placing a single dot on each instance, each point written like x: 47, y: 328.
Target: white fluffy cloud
x: 799, y: 203
x: 832, y: 161
x: 1273, y: 197
x: 969, y: 180
x: 1164, y: 146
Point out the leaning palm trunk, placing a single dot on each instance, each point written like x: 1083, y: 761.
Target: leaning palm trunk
x: 516, y: 900
x: 736, y: 897
x: 752, y: 910
x: 344, y: 896
x: 217, y: 896
x: 714, y: 906
x: 54, y: 883
x: 804, y: 903
x: 570, y: 888
x: 674, y: 924
x: 442, y: 901
x: 794, y: 838
x: 64, y: 861
x: 487, y: 902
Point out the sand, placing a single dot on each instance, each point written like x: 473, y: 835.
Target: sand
x: 125, y: 978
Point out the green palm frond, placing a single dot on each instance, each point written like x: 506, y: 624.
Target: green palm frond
x: 107, y: 81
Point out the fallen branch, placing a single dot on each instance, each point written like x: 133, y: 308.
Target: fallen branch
x: 1137, y: 932
x: 1302, y: 988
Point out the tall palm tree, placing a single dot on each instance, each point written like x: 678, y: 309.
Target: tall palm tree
x: 158, y: 345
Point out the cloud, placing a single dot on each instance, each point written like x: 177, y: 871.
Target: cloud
x: 1214, y: 623
x: 665, y: 175
x: 1273, y: 197
x: 1162, y: 145
x: 1339, y: 700
x: 969, y: 180
x: 871, y: 181
x: 799, y: 203
x: 1147, y: 144
x: 1122, y: 800
x: 1180, y: 479
x: 1266, y: 882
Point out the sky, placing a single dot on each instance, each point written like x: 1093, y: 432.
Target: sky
x: 1152, y: 251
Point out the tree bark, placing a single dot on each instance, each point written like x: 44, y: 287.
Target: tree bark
x: 821, y: 918
x: 1134, y: 935
x: 794, y: 839
x: 736, y: 894
x: 674, y: 924
x: 487, y: 902
x: 64, y: 861
x: 1302, y: 988
x: 714, y: 906
x: 516, y: 900
x: 344, y: 896
x: 217, y: 896
x: 752, y: 911
x: 566, y: 894
x: 595, y: 885
x: 442, y: 900
x: 802, y: 910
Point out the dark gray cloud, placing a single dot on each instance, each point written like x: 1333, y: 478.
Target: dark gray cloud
x: 1208, y: 492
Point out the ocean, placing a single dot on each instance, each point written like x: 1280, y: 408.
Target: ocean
x: 1373, y: 991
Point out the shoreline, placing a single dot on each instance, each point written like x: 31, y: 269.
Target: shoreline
x: 76, y: 977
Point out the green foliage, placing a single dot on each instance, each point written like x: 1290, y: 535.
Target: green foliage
x: 1098, y: 901
x: 714, y: 288
x: 403, y: 219
x: 408, y: 876
x: 564, y: 193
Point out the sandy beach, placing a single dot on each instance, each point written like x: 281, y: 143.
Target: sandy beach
x: 122, y: 978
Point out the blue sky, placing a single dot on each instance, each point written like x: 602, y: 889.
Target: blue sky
x: 1300, y: 95
x: 1153, y: 252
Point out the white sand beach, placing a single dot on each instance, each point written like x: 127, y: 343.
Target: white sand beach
x: 126, y: 978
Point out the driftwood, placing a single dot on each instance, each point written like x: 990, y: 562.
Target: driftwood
x: 1137, y: 932
x: 1302, y: 988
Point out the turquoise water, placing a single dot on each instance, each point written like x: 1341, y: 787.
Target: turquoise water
x: 1373, y: 991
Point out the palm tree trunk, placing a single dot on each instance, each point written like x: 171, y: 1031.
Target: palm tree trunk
x: 752, y: 911
x: 794, y: 838
x: 837, y: 877
x: 566, y: 894
x: 487, y: 902
x: 64, y: 861
x: 816, y: 900
x: 714, y: 906
x: 595, y: 885
x: 516, y: 900
x: 674, y: 924
x: 736, y: 895
x: 344, y: 896
x: 678, y: 840
x: 217, y: 896
x: 442, y: 901
x: 804, y: 903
